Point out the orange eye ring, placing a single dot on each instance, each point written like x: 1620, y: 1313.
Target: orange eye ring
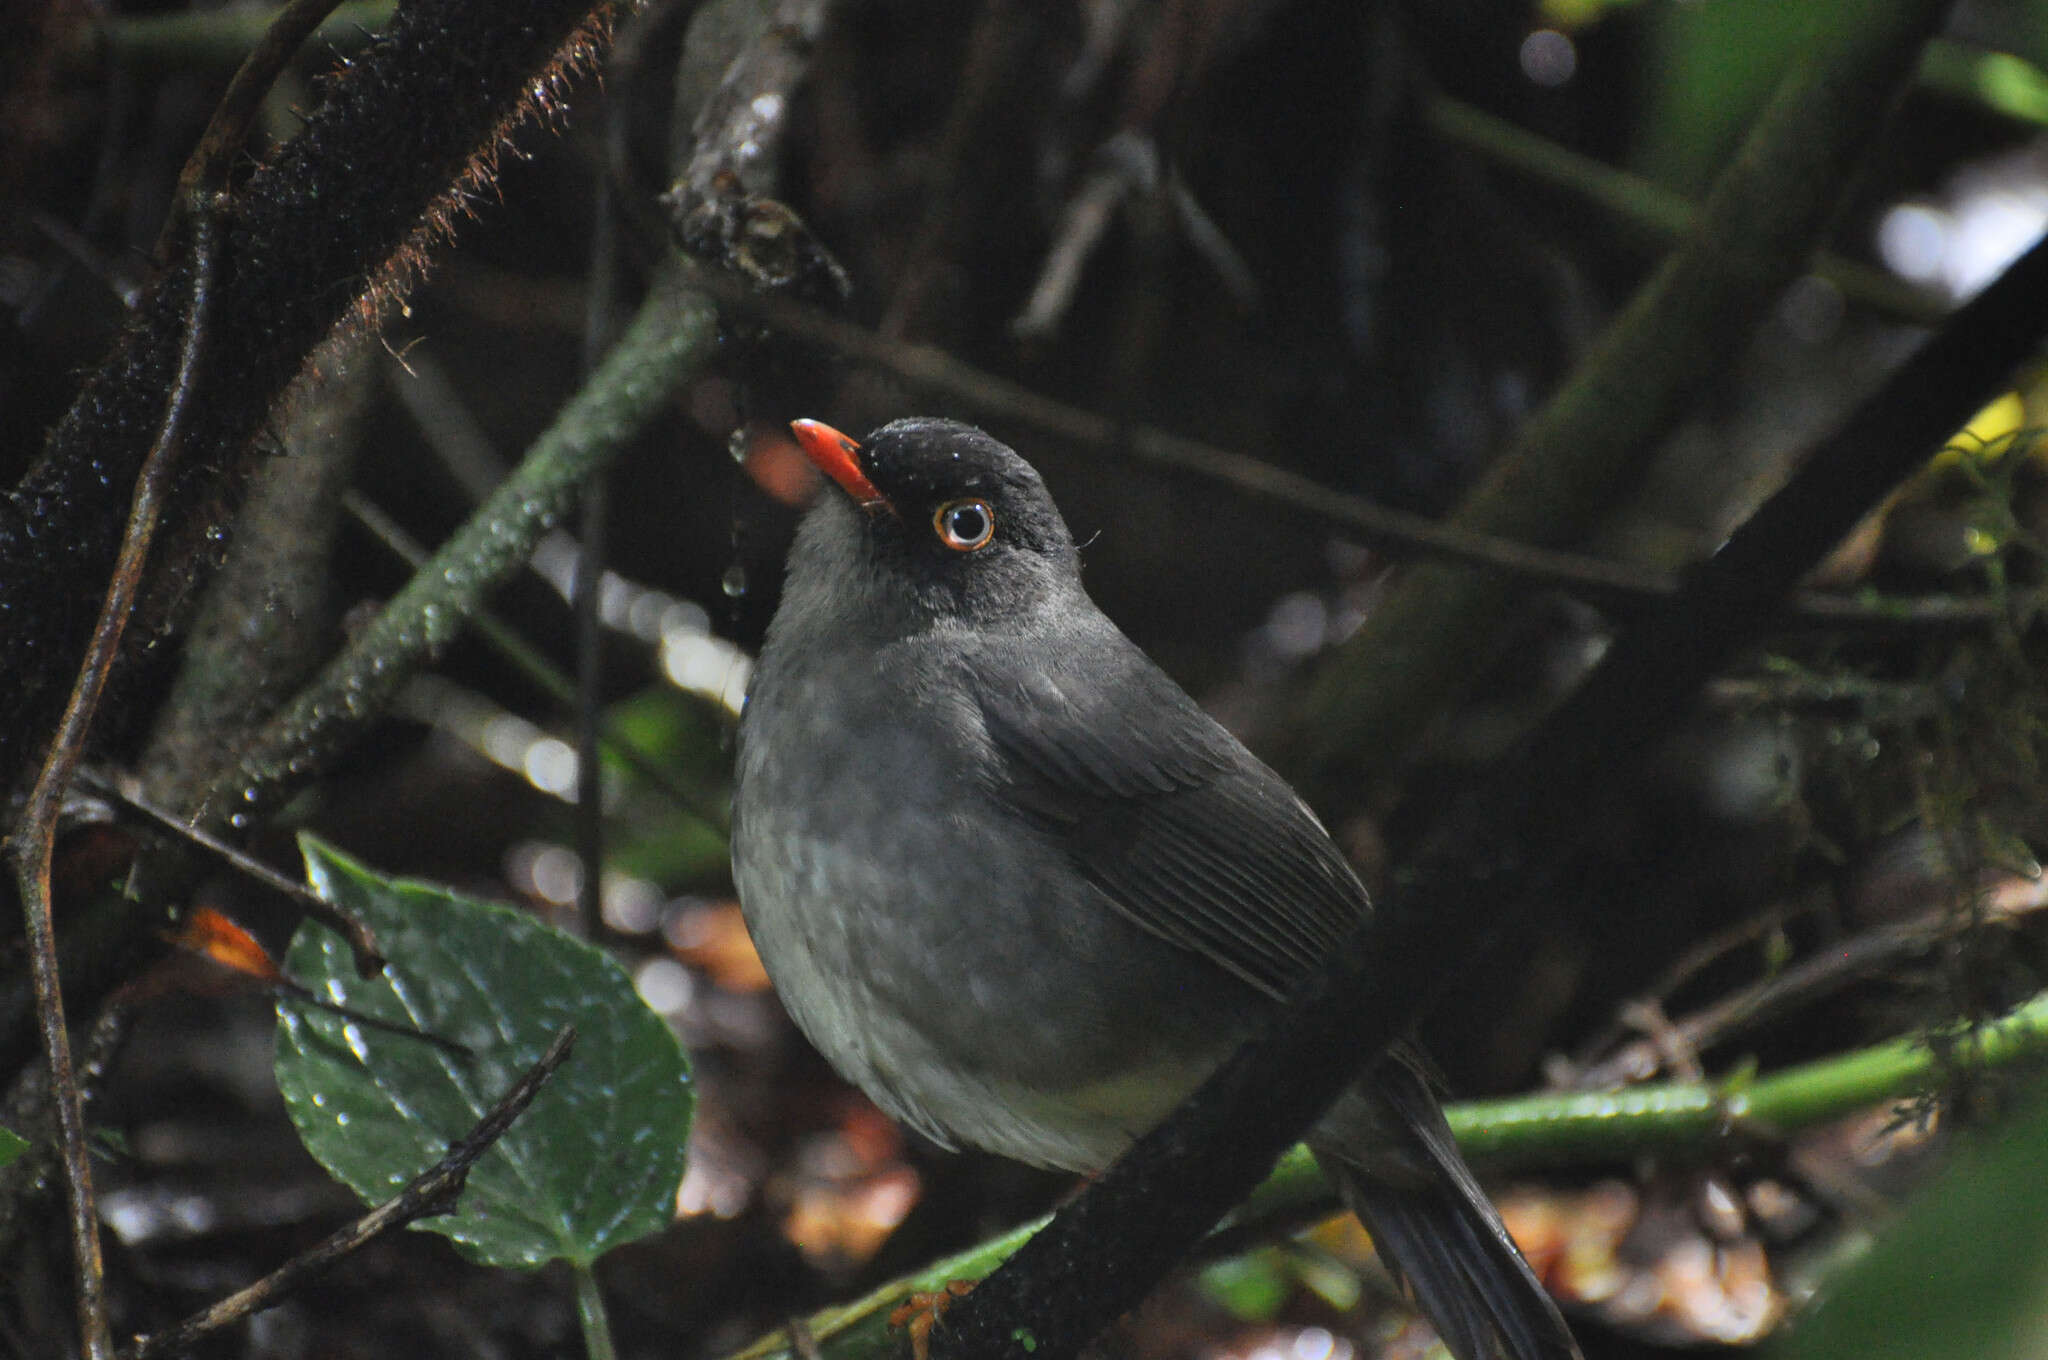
x: 964, y: 526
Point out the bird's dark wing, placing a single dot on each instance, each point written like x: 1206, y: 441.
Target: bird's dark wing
x: 1166, y: 813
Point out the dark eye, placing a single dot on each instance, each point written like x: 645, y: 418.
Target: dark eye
x: 964, y: 526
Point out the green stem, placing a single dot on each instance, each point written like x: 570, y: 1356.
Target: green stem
x: 522, y: 656
x: 597, y: 1325
x: 2000, y: 81
x: 860, y: 1328
x: 223, y: 37
x: 1556, y: 1129
x: 672, y: 334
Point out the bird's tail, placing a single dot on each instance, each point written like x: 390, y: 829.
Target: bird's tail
x: 1388, y: 1149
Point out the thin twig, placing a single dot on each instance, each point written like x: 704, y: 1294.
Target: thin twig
x: 1645, y: 204
x: 989, y: 59
x: 434, y: 1191
x: 938, y: 372
x: 1696, y: 959
x: 1125, y: 166
x: 453, y: 433
x: 1674, y: 1053
x: 672, y: 333
x: 1619, y: 588
x: 205, y: 175
x: 599, y: 321
x: 504, y: 639
x: 589, y: 705
x: 1866, y: 955
x: 455, y: 436
x: 199, y: 207
x: 284, y: 989
x: 35, y: 836
x: 1206, y: 237
x: 362, y: 942
x: 1894, y: 613
x: 115, y: 273
x: 803, y: 1343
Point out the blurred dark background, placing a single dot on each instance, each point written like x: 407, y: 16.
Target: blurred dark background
x: 1304, y: 255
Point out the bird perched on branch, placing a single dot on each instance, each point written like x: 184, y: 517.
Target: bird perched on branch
x: 1015, y: 884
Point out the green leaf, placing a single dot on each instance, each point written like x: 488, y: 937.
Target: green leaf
x: 1961, y: 1275
x: 1251, y: 1287
x: 1709, y: 69
x: 597, y: 1158
x: 653, y: 839
x: 12, y: 1145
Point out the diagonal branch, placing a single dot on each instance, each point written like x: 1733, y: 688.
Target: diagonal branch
x: 325, y: 234
x: 35, y: 836
x: 671, y: 335
x: 433, y: 1191
x: 1650, y: 207
x: 1489, y: 857
x: 1620, y: 588
x: 1371, y: 701
x: 197, y: 212
x: 1550, y: 1129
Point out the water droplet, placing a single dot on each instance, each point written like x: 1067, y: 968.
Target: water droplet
x: 734, y: 582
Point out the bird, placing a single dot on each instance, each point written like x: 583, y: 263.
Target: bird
x: 1013, y: 882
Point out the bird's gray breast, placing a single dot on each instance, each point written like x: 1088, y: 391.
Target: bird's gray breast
x: 936, y: 948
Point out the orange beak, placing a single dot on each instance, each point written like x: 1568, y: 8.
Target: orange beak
x: 833, y: 454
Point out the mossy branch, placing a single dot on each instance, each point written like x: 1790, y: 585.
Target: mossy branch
x: 1493, y: 854
x: 1372, y: 700
x: 327, y: 232
x: 671, y: 335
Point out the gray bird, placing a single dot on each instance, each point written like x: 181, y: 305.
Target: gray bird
x: 1016, y: 885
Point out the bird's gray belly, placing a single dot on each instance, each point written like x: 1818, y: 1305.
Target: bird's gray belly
x: 984, y: 993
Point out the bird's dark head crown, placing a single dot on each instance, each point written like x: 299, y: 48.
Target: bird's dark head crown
x: 938, y: 520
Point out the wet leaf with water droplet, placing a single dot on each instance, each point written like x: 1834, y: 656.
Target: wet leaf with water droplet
x: 597, y: 1158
